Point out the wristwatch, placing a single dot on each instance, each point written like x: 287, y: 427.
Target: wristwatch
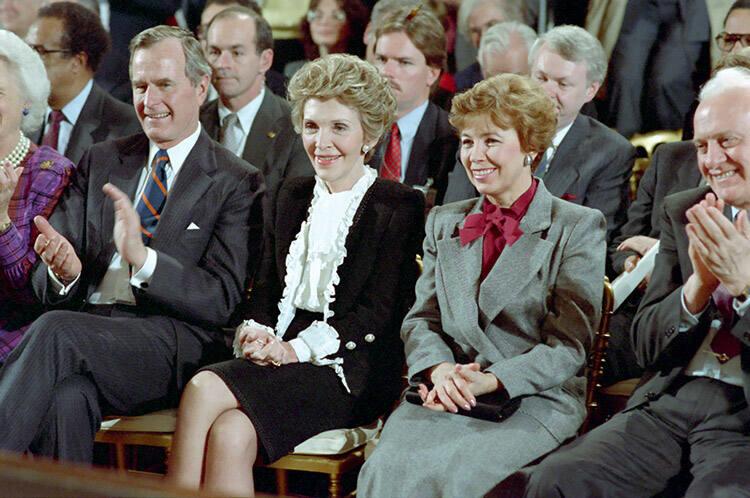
x: 744, y: 295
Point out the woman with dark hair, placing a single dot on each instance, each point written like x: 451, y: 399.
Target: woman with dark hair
x: 331, y: 27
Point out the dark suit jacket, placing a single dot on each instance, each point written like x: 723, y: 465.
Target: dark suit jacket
x: 102, y: 118
x: 432, y: 153
x: 468, y: 77
x: 272, y: 144
x: 377, y: 280
x: 200, y: 275
x: 591, y: 167
x: 660, y: 348
x: 674, y: 168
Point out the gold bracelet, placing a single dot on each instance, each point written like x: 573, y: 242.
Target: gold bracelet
x: 5, y: 227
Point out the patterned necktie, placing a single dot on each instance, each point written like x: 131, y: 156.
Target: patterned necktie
x: 52, y: 135
x: 154, y: 196
x: 544, y: 163
x: 228, y: 133
x: 724, y: 344
x: 391, y: 167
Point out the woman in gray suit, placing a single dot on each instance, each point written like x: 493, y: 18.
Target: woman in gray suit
x: 506, y: 308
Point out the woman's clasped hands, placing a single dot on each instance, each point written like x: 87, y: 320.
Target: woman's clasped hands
x: 457, y: 386
x: 261, y: 346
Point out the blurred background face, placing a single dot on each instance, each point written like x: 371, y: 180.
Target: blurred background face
x: 493, y: 159
x: 17, y: 15
x: 333, y: 138
x: 45, y: 37
x: 11, y: 107
x: 206, y: 16
x: 481, y: 18
x: 238, y: 69
x: 514, y: 59
x: 738, y: 23
x: 406, y: 69
x: 326, y: 22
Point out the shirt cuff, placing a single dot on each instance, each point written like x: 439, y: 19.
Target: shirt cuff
x: 143, y: 276
x: 687, y: 319
x: 321, y: 340
x: 59, y: 287
x: 741, y: 307
x: 301, y: 350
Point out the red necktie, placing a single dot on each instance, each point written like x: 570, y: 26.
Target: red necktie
x: 391, y: 167
x: 52, y: 136
x: 724, y: 344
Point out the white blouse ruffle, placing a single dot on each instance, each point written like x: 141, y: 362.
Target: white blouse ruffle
x: 312, y: 270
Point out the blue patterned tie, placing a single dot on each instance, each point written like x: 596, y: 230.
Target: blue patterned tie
x: 154, y: 196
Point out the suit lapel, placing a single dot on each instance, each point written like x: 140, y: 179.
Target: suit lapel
x: 262, y: 135
x: 194, y: 179
x: 82, y: 135
x: 461, y: 267
x: 563, y: 170
x: 210, y: 119
x: 417, y: 167
x: 520, y: 262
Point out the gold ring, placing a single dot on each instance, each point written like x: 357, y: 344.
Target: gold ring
x: 275, y: 363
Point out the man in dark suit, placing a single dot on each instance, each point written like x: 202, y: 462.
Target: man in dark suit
x: 587, y: 163
x: 420, y: 148
x: 148, y: 287
x: 72, y: 41
x: 692, y: 334
x: 247, y: 118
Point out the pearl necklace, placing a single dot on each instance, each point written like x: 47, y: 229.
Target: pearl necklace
x: 18, y: 153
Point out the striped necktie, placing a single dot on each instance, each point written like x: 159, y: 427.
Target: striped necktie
x: 154, y: 196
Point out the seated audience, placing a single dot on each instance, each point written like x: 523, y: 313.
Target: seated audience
x: 72, y: 41
x: 320, y: 349
x: 691, y: 333
x: 420, y: 147
x: 331, y: 27
x: 586, y: 163
x: 505, y: 48
x: 248, y: 118
x: 470, y: 340
x: 475, y: 17
x: 146, y: 288
x: 32, y: 179
x: 380, y: 11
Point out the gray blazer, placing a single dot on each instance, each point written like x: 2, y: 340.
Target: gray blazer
x: 533, y: 318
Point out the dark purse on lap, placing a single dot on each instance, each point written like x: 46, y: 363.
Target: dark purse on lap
x: 492, y: 407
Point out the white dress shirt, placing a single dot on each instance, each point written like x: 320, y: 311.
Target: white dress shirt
x: 407, y: 127
x: 71, y: 111
x: 115, y: 287
x: 556, y: 141
x: 246, y: 117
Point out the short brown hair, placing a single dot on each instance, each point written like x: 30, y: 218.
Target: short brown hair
x: 350, y: 80
x: 511, y: 102
x: 423, y: 29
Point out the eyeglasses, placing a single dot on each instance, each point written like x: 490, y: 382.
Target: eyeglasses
x: 43, y: 51
x: 726, y: 41
x: 319, y: 15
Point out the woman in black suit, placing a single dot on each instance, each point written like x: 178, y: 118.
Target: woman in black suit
x: 320, y: 349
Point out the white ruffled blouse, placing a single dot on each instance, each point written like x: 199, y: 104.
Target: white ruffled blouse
x: 312, y: 271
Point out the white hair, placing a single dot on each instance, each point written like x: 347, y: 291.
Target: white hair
x: 512, y: 10
x: 497, y: 38
x: 725, y: 79
x: 574, y: 44
x: 27, y: 67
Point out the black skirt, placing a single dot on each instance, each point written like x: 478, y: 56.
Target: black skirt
x: 289, y: 404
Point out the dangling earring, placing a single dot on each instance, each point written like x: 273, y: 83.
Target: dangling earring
x: 365, y: 148
x: 25, y: 111
x: 527, y: 160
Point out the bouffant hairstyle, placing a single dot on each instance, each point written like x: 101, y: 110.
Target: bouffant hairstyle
x: 423, y: 29
x: 351, y: 81
x: 82, y: 31
x: 28, y: 71
x: 513, y: 102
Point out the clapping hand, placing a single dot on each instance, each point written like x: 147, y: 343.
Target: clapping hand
x: 127, y: 229
x: 56, y: 252
x: 9, y: 177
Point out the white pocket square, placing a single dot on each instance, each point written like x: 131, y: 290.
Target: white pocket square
x: 193, y: 226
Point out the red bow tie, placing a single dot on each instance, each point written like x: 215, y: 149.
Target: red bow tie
x: 476, y: 225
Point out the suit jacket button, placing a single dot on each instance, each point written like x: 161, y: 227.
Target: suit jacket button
x: 350, y: 345
x: 651, y: 396
x: 369, y: 338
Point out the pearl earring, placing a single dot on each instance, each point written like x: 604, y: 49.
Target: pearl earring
x: 365, y: 149
x: 25, y: 111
